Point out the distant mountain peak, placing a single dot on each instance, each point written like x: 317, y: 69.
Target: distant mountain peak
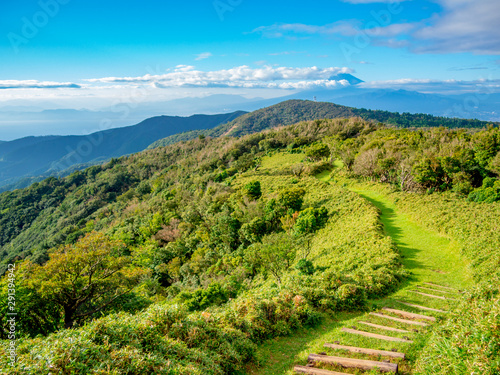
x: 347, y: 77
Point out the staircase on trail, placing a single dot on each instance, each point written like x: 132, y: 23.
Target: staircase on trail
x: 407, y: 317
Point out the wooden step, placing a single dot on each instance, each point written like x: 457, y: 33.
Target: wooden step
x: 399, y: 320
x: 440, y: 286
x: 422, y: 307
x: 354, y: 363
x: 409, y: 314
x: 435, y: 290
x: 384, y: 327
x: 315, y: 371
x: 432, y: 295
x: 375, y: 335
x: 353, y: 349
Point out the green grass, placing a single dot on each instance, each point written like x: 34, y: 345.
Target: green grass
x: 428, y: 255
x: 281, y: 160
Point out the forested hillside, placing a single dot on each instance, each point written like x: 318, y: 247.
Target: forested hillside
x: 35, y: 158
x: 293, y: 111
x: 182, y: 259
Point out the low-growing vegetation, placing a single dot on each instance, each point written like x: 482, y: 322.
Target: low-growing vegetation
x: 182, y: 259
x: 219, y: 244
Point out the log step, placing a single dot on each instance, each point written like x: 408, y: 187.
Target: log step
x: 435, y: 290
x: 315, y: 371
x: 432, y: 295
x: 440, y: 286
x: 354, y: 349
x: 409, y: 314
x: 354, y: 363
x: 422, y: 307
x: 375, y: 335
x: 399, y: 320
x: 384, y: 327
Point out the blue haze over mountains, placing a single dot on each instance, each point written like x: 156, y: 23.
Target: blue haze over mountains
x: 47, y: 152
x: 19, y: 121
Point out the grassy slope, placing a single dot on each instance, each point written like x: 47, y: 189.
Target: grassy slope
x: 427, y: 254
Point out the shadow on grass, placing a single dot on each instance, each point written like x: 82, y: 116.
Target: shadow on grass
x: 389, y: 220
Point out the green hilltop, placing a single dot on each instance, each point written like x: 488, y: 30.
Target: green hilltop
x: 292, y: 111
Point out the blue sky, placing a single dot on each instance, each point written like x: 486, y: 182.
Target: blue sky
x: 90, y: 53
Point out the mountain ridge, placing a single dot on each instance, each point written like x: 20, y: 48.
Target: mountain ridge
x: 287, y: 113
x: 49, y: 155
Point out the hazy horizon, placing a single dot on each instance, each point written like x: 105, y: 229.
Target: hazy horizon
x: 64, y: 54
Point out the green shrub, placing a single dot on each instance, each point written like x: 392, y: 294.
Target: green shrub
x: 305, y: 267
x: 318, y: 151
x: 292, y: 198
x: 488, y: 193
x: 310, y: 220
x: 253, y: 190
x: 200, y: 299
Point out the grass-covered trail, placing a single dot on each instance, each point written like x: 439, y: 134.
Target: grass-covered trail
x: 429, y: 256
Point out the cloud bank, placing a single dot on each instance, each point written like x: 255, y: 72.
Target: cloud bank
x: 452, y: 86
x: 238, y: 77
x: 33, y: 84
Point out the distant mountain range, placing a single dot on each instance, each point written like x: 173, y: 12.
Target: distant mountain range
x: 38, y: 157
x: 19, y: 121
x: 30, y: 159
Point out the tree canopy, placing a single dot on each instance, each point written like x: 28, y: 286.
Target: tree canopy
x: 85, y: 277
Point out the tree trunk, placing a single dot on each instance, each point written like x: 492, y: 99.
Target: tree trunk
x: 68, y: 317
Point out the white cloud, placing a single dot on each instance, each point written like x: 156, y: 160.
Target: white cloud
x: 203, y: 56
x: 285, y: 53
x: 461, y: 26
x: 184, y: 68
x: 388, y: 36
x: 33, y: 84
x: 242, y: 76
x: 279, y: 30
x: 393, y: 30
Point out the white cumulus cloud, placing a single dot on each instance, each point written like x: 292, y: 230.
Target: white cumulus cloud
x: 463, y: 26
x: 241, y: 76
